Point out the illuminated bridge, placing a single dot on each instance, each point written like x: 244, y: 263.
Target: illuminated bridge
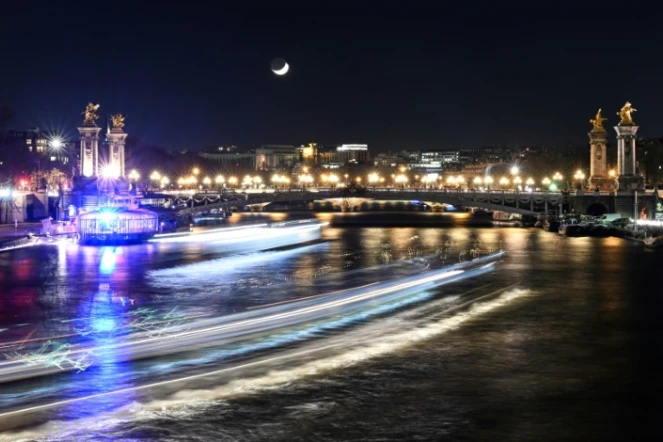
x: 524, y: 203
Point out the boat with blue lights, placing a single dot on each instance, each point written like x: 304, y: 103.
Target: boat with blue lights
x: 121, y: 221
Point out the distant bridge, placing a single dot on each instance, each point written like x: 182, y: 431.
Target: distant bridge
x: 524, y: 203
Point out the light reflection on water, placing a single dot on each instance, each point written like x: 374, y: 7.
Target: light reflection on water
x: 585, y: 299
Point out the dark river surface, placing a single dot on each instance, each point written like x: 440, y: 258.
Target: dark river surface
x: 563, y: 340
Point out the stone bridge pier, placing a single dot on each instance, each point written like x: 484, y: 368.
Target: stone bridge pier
x: 591, y: 203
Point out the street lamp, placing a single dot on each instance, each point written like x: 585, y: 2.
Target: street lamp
x: 305, y: 179
x: 557, y: 177
x: 580, y: 177
x: 546, y: 181
x: 517, y: 181
x: 530, y: 181
x: 401, y: 180
x: 156, y: 177
x: 219, y: 180
x: 504, y: 181
x: 515, y: 170
x: 134, y: 175
x: 612, y: 173
x: 373, y: 179
x: 232, y: 181
x: 488, y: 180
x: 477, y: 181
x: 207, y: 181
x: 195, y: 171
x: 333, y: 179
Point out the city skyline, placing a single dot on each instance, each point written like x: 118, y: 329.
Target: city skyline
x: 389, y: 78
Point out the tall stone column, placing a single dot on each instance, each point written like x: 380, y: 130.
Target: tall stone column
x: 89, y: 166
x: 116, y: 141
x: 89, y: 150
x: 598, y: 170
x: 628, y: 178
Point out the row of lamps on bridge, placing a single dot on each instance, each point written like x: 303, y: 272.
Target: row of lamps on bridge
x: 373, y: 179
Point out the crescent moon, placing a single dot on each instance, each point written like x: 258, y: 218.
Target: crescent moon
x: 284, y: 70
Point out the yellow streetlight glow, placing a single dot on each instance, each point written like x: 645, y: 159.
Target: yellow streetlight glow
x: 232, y: 180
x: 156, y: 176
x: 504, y: 181
x: 612, y: 173
x: 517, y: 180
x: 401, y: 179
x: 207, y: 180
x: 165, y: 180
x: 546, y: 181
x: 373, y: 178
x: 530, y: 181
x: 219, y: 179
x: 134, y: 175
x: 195, y: 171
x: 451, y: 180
x: 557, y: 177
x: 515, y: 170
x: 488, y: 180
x: 460, y: 179
x: 477, y: 180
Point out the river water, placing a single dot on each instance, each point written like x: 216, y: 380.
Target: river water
x: 561, y: 341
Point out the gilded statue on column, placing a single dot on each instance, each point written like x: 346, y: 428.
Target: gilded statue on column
x: 598, y: 120
x: 118, y: 121
x: 625, y: 114
x: 90, y: 113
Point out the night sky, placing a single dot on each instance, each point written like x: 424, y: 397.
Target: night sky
x: 389, y: 74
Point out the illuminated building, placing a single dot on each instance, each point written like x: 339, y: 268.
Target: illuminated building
x: 309, y: 153
x: 273, y: 156
x: 352, y: 153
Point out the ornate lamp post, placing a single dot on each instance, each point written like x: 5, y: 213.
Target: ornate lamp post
x: 333, y: 179
x: 517, y: 181
x: 373, y: 179
x: 460, y: 180
x: 134, y: 176
x: 579, y: 176
x: 156, y: 176
x: 488, y: 180
x: 401, y: 180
